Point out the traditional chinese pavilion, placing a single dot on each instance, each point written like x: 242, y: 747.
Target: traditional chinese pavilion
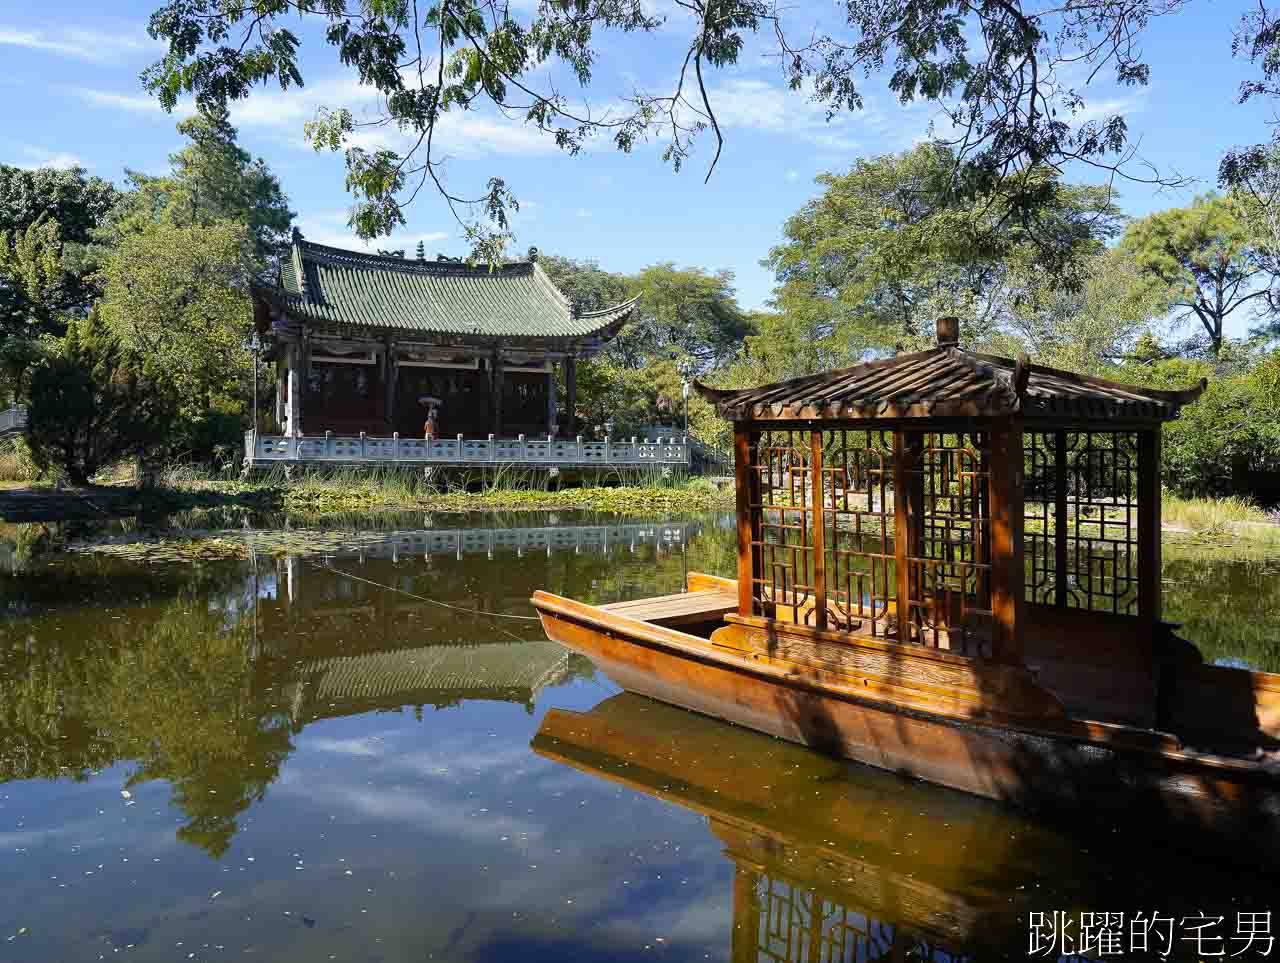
x: 371, y: 343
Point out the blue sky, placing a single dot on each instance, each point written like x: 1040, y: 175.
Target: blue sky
x: 71, y: 94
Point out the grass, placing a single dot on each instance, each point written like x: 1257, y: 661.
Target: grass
x: 318, y: 495
x: 1226, y: 515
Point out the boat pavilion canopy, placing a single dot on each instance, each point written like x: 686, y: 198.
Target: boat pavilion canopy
x: 369, y: 342
x: 952, y: 499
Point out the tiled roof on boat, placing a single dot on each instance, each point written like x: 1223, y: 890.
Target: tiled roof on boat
x: 331, y: 287
x: 948, y: 381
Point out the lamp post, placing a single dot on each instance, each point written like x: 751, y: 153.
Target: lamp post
x: 684, y: 390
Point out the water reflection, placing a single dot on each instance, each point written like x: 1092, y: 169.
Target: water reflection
x: 203, y: 676
x: 308, y: 734
x: 838, y: 862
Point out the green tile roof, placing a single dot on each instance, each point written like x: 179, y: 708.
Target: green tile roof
x: 332, y: 287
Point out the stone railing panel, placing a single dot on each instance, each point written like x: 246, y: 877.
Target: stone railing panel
x: 463, y: 451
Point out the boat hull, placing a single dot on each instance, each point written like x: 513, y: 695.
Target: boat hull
x: 1039, y: 770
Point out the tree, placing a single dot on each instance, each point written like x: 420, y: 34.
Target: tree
x: 886, y: 248
x: 177, y: 296
x: 1233, y: 428
x: 994, y: 68
x: 686, y: 313
x: 212, y: 180
x: 91, y: 405
x: 47, y: 262
x: 1088, y: 328
x: 585, y: 283
x: 1206, y: 259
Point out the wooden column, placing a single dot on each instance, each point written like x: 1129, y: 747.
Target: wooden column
x: 745, y: 943
x: 571, y: 396
x: 906, y: 520
x: 1150, y: 607
x: 552, y: 422
x: 817, y: 501
x: 496, y: 379
x: 1008, y: 578
x: 1060, y: 481
x: 391, y: 377
x: 293, y: 411
x: 748, y: 493
x: 282, y: 388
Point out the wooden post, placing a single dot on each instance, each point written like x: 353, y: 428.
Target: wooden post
x: 391, y: 374
x: 906, y: 522
x: 293, y: 413
x: 282, y: 388
x: 1060, y: 522
x: 571, y: 395
x: 552, y: 421
x: 747, y: 487
x: 1150, y: 606
x: 816, y: 516
x: 744, y: 942
x: 496, y: 379
x: 1008, y: 579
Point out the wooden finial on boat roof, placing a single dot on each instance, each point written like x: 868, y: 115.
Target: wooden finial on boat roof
x: 1021, y: 374
x: 948, y: 332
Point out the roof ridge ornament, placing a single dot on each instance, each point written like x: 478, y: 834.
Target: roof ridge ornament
x: 948, y: 330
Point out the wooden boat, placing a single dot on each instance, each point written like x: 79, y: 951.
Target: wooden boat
x: 949, y: 567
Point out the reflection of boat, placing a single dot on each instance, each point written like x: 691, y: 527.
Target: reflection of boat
x: 949, y: 567
x: 805, y: 834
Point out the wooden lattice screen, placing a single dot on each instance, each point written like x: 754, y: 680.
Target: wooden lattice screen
x: 777, y: 921
x: 1084, y: 522
x: 824, y: 548
x: 859, y: 538
x: 949, y: 549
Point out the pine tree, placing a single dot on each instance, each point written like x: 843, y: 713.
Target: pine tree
x: 92, y: 406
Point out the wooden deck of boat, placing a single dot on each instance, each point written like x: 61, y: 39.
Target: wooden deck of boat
x: 682, y: 608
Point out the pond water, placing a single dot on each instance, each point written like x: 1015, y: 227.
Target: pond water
x: 295, y: 745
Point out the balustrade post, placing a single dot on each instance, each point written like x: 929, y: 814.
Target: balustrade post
x: 579, y: 449
x: 395, y: 445
x: 328, y: 444
x: 492, y: 454
x: 363, y: 456
x: 460, y: 439
x: 608, y: 449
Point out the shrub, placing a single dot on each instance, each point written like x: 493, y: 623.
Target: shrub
x: 91, y: 406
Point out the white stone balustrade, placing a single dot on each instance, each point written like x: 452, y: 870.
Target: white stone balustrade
x: 13, y: 419
x: 366, y: 449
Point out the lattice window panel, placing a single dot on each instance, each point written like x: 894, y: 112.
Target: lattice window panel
x: 858, y: 527
x: 782, y: 524
x: 950, y: 558
x: 797, y: 925
x: 1081, y: 520
x: 1102, y: 521
x: 1040, y: 452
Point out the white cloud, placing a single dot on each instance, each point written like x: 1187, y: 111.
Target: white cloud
x: 331, y: 228
x: 760, y: 105
x: 133, y: 103
x: 33, y: 156
x: 93, y: 45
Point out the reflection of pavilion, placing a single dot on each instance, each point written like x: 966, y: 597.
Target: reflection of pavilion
x: 435, y: 675
x: 831, y: 862
x: 602, y: 539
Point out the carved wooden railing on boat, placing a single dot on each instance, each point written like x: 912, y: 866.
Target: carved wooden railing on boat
x: 460, y: 451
